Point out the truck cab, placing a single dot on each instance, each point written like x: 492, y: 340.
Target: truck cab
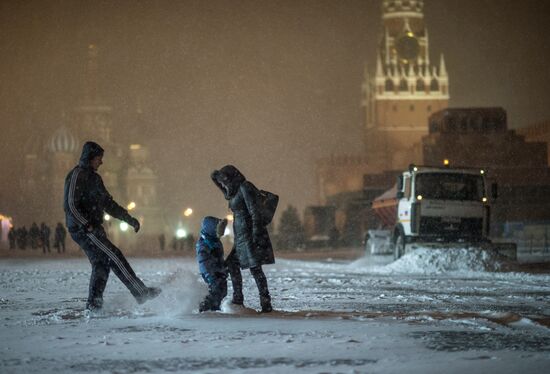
x: 440, y: 204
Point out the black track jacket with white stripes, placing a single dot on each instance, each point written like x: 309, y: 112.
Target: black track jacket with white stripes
x: 85, y: 196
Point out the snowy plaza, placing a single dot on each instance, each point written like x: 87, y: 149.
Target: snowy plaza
x: 429, y: 312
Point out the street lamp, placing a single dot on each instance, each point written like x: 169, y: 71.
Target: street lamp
x: 187, y: 212
x: 131, y: 205
x: 181, y: 233
x: 123, y: 226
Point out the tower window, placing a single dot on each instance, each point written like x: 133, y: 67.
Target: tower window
x: 429, y: 108
x: 411, y: 108
x: 389, y: 85
x: 420, y: 85
x: 403, y: 85
x: 394, y: 108
x: 434, y: 86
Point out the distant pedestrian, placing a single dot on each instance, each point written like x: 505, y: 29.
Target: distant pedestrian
x: 333, y: 237
x: 209, y: 250
x: 162, y: 241
x: 22, y: 237
x: 34, y: 234
x: 12, y: 237
x: 45, y: 237
x: 174, y: 243
x: 59, y: 238
x: 86, y: 200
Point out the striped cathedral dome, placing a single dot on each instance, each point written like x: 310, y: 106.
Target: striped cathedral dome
x: 63, y: 140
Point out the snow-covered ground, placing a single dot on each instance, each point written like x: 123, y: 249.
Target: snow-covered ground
x: 430, y: 312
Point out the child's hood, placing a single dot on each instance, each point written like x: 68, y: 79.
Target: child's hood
x: 208, y: 226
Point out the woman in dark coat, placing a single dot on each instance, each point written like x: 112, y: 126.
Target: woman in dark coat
x: 252, y: 247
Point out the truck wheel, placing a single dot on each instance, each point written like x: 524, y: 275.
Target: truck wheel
x: 399, y: 246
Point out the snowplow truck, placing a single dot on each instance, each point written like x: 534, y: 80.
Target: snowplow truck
x: 436, y: 207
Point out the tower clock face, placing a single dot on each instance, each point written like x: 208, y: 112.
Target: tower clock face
x: 407, y: 46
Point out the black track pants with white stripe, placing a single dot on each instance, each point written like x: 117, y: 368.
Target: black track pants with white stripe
x: 104, y: 256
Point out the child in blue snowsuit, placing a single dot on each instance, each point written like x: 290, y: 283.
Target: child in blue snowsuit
x: 211, y: 263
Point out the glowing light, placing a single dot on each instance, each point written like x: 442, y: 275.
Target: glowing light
x: 6, y: 221
x: 482, y: 171
x: 227, y: 231
x: 187, y: 212
x: 229, y: 217
x: 415, y: 169
x: 135, y: 146
x: 131, y: 205
x: 484, y: 199
x: 123, y: 226
x: 446, y: 162
x: 419, y: 197
x: 107, y: 217
x: 181, y: 233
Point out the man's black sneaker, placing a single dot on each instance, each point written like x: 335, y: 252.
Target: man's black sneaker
x: 150, y: 294
x: 95, y: 305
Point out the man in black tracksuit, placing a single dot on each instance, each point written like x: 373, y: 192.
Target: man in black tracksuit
x: 85, y: 201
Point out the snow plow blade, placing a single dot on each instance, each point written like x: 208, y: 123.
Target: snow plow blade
x: 378, y: 242
x: 507, y: 250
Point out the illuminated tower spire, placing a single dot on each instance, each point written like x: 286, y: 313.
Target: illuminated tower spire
x: 427, y: 55
x: 442, y: 68
x: 379, y: 71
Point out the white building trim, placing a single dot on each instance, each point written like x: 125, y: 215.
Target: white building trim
x: 421, y: 96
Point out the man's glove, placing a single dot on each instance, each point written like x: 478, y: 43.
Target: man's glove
x: 134, y: 223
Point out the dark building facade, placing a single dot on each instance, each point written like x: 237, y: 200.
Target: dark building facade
x: 480, y: 137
